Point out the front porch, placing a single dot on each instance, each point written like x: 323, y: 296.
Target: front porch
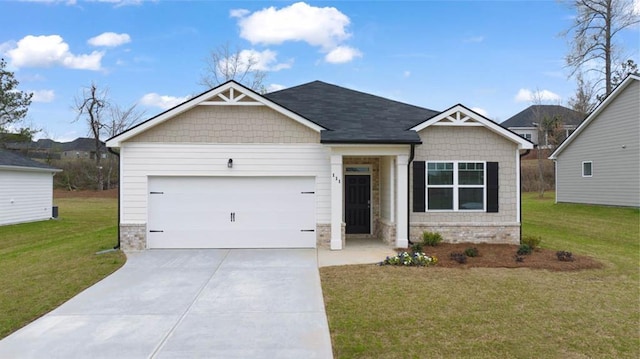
x: 369, y: 195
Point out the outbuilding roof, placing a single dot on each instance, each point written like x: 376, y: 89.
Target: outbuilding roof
x: 351, y: 116
x: 532, y: 114
x: 14, y: 160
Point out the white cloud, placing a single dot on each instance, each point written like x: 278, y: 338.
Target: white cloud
x: 323, y: 27
x: 43, y: 95
x: 109, y: 39
x: 275, y: 87
x: 261, y: 60
x: 474, y: 39
x: 317, y: 26
x: 116, y: 3
x: 481, y: 111
x: 406, y: 74
x: 163, y: 102
x: 239, y: 12
x: 526, y: 95
x: 342, y: 54
x: 51, y: 50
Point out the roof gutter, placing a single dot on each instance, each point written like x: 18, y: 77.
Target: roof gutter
x: 411, y: 157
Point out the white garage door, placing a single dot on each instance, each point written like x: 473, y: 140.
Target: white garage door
x: 231, y: 212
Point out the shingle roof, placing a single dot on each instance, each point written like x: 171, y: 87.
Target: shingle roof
x: 352, y: 116
x: 8, y: 158
x: 82, y: 144
x: 531, y: 114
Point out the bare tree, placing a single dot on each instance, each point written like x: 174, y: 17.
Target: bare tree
x: 90, y: 107
x: 120, y: 119
x: 550, y: 131
x: 593, y: 32
x: 104, y: 118
x: 224, y: 64
x: 625, y: 69
x: 584, y: 100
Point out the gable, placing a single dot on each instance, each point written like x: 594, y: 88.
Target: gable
x: 621, y: 106
x: 229, y: 94
x: 459, y: 116
x: 229, y: 124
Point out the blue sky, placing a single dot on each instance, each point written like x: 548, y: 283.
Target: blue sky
x: 487, y: 55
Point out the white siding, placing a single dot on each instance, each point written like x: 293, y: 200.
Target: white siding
x: 25, y: 196
x: 612, y: 142
x: 140, y: 160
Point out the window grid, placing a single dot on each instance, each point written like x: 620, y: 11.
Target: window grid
x: 455, y: 186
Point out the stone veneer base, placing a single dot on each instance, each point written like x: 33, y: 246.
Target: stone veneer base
x: 133, y: 237
x: 469, y: 233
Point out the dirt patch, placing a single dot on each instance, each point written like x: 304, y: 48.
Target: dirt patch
x: 61, y: 193
x: 503, y: 256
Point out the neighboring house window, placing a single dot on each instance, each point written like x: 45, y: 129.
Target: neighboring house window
x: 455, y: 186
x: 587, y: 169
x: 526, y: 136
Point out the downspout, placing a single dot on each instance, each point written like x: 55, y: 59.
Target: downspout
x: 520, y: 184
x: 411, y: 156
x: 117, y: 247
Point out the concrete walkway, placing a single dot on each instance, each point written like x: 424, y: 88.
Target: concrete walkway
x: 189, y: 304
x: 356, y: 251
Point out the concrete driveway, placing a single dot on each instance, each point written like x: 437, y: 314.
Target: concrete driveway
x: 264, y: 303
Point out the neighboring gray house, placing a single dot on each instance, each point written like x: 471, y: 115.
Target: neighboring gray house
x: 600, y: 162
x: 82, y: 147
x: 525, y: 122
x: 26, y: 189
x: 315, y: 165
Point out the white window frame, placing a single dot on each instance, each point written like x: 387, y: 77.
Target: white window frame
x: 591, y: 168
x: 456, y: 187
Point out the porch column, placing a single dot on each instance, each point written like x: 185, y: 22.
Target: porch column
x: 336, y: 202
x: 402, y: 190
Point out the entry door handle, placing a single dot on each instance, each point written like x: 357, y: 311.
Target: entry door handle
x: 233, y: 216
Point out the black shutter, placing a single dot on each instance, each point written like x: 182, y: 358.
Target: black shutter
x: 418, y: 186
x: 492, y: 187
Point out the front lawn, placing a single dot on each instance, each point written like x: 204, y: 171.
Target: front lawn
x: 432, y: 312
x: 43, y: 264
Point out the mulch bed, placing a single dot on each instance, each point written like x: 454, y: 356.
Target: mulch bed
x: 503, y: 256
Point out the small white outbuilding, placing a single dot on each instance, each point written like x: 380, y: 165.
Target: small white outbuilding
x: 26, y: 189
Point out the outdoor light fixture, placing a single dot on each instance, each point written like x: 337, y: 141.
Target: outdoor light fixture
x: 230, y: 163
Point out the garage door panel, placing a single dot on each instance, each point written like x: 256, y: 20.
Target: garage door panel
x: 231, y: 212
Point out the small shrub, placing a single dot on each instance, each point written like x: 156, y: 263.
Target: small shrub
x: 458, y: 257
x: 519, y: 259
x: 406, y: 259
x: 564, y: 256
x: 471, y: 252
x: 431, y: 238
x: 532, y: 241
x: 524, y: 250
x: 417, y: 247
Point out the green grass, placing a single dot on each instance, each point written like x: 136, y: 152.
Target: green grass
x: 393, y: 312
x: 43, y: 264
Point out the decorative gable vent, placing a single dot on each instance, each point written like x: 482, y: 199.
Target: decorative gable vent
x: 231, y: 97
x: 457, y: 118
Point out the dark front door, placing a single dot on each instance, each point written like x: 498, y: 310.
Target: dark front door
x: 357, y: 194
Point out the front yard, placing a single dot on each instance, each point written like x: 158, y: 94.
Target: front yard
x: 388, y: 312
x: 379, y: 312
x: 43, y: 264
